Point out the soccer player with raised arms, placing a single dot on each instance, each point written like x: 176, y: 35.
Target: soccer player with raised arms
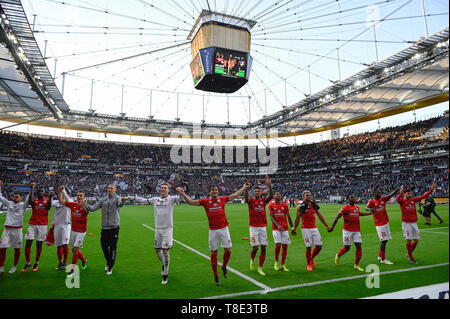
x: 79, y: 226
x: 307, y: 211
x: 37, y: 227
x: 218, y: 224
x: 279, y: 215
x: 163, y: 211
x: 258, y: 223
x: 351, y: 230
x: 377, y: 205
x: 61, y: 229
x: 12, y: 234
x: 409, y: 218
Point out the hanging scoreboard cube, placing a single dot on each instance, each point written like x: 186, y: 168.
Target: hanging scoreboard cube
x: 220, y: 48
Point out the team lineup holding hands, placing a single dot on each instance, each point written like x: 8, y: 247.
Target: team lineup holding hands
x: 70, y: 218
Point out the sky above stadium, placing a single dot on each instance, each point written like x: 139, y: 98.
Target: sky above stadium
x: 298, y: 47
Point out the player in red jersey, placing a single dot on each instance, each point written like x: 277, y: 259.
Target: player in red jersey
x: 351, y: 231
x: 377, y: 205
x: 37, y: 227
x: 218, y: 224
x: 79, y: 214
x: 311, y: 236
x: 258, y: 223
x: 279, y: 214
x: 409, y: 218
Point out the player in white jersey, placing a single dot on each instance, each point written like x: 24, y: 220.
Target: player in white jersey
x: 12, y: 234
x: 163, y: 211
x: 61, y: 230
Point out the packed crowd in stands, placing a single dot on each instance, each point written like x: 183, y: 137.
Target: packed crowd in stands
x: 142, y: 159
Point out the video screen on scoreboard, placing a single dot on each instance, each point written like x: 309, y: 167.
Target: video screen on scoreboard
x: 197, y: 69
x: 230, y: 63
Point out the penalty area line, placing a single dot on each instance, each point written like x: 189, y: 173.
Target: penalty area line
x: 253, y: 281
x: 316, y: 283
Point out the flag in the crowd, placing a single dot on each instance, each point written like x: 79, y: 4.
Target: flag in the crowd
x: 83, y: 179
x: 25, y: 168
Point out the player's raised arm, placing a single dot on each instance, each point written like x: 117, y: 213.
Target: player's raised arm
x: 400, y: 195
x: 141, y: 200
x: 61, y: 196
x: 246, y: 197
x: 96, y: 206
x: 239, y: 192
x: 419, y: 198
x: 269, y: 185
x: 189, y: 200
x: 50, y: 198
x: 388, y: 196
x: 30, y: 196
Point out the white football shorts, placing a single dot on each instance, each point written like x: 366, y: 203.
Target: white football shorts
x: 350, y: 237
x: 219, y: 235
x: 164, y: 238
x: 76, y: 239
x: 258, y: 236
x: 36, y: 232
x: 62, y: 234
x: 11, y: 238
x: 311, y: 237
x: 410, y: 231
x: 281, y: 237
x: 384, y: 233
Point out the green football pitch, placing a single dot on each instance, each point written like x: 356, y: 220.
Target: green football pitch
x: 137, y: 270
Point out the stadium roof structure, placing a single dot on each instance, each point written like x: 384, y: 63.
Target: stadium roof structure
x: 410, y: 79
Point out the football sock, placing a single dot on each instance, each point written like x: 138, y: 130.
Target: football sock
x: 277, y: 252
x: 408, y: 248
x: 382, y: 254
x: 80, y: 255
x: 2, y: 256
x: 252, y: 254
x: 214, y: 262
x: 38, y: 252
x: 413, y: 246
x: 28, y: 254
x: 283, y: 253
x: 358, y: 255
x: 316, y: 251
x: 65, y: 253
x: 261, y: 260
x: 226, y: 258
x: 74, y: 259
x: 160, y: 256
x: 166, y: 262
x: 341, y: 252
x: 59, y: 252
x: 16, y: 256
x: 308, y: 255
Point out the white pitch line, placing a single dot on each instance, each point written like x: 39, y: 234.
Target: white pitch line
x: 422, y: 229
x: 253, y: 281
x: 434, y: 232
x: 315, y: 283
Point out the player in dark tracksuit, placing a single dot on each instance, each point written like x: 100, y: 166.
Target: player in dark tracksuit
x: 428, y: 208
x: 110, y: 206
